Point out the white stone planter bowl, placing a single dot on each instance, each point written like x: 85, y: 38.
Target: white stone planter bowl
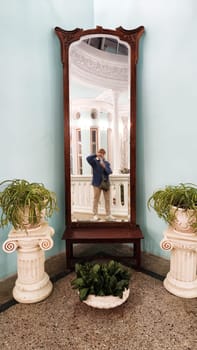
x: 183, y: 220
x: 106, y: 302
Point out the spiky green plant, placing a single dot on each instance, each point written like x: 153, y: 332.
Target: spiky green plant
x: 18, y: 195
x: 110, y: 278
x: 182, y: 196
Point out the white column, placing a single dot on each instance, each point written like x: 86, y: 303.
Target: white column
x: 181, y: 280
x: 124, y: 163
x: 115, y: 135
x: 32, y: 284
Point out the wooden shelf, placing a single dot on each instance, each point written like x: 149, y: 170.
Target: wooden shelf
x: 108, y: 235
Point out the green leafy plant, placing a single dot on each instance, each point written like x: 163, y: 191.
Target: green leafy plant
x: 19, y: 198
x: 182, y: 196
x: 110, y: 278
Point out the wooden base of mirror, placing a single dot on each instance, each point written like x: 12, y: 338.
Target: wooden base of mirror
x: 101, y: 235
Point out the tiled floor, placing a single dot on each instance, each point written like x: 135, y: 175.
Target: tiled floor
x: 151, y: 319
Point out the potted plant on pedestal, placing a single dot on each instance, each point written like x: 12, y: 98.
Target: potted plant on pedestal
x: 104, y: 285
x: 177, y: 205
x: 25, y: 206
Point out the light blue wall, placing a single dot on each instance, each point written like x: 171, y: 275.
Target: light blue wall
x: 31, y: 102
x: 31, y: 125
x: 167, y: 97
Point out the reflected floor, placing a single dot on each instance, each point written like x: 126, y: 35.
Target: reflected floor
x: 101, y: 218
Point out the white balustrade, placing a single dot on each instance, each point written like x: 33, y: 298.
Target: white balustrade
x: 82, y: 195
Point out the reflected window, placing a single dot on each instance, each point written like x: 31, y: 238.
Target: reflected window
x: 94, y: 113
x: 79, y: 152
x: 108, y: 44
x: 93, y: 140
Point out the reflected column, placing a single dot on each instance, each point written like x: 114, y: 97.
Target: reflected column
x: 124, y: 144
x: 115, y: 134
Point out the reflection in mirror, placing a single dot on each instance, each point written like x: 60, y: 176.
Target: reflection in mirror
x: 99, y: 118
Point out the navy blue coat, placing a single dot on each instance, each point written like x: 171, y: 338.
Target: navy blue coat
x: 98, y: 170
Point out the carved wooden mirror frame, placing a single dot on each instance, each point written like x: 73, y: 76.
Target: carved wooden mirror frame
x: 101, y: 232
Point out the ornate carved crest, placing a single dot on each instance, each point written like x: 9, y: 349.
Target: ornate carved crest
x: 132, y: 36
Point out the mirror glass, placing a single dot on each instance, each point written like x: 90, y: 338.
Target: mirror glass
x: 99, y: 92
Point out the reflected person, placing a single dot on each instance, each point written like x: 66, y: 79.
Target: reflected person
x: 100, y: 167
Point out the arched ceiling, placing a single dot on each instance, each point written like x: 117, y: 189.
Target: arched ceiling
x: 92, y: 66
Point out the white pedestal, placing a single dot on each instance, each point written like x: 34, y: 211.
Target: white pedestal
x: 181, y: 280
x: 32, y: 284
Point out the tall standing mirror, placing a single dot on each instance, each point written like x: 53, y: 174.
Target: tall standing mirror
x: 99, y: 91
x: 99, y: 77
